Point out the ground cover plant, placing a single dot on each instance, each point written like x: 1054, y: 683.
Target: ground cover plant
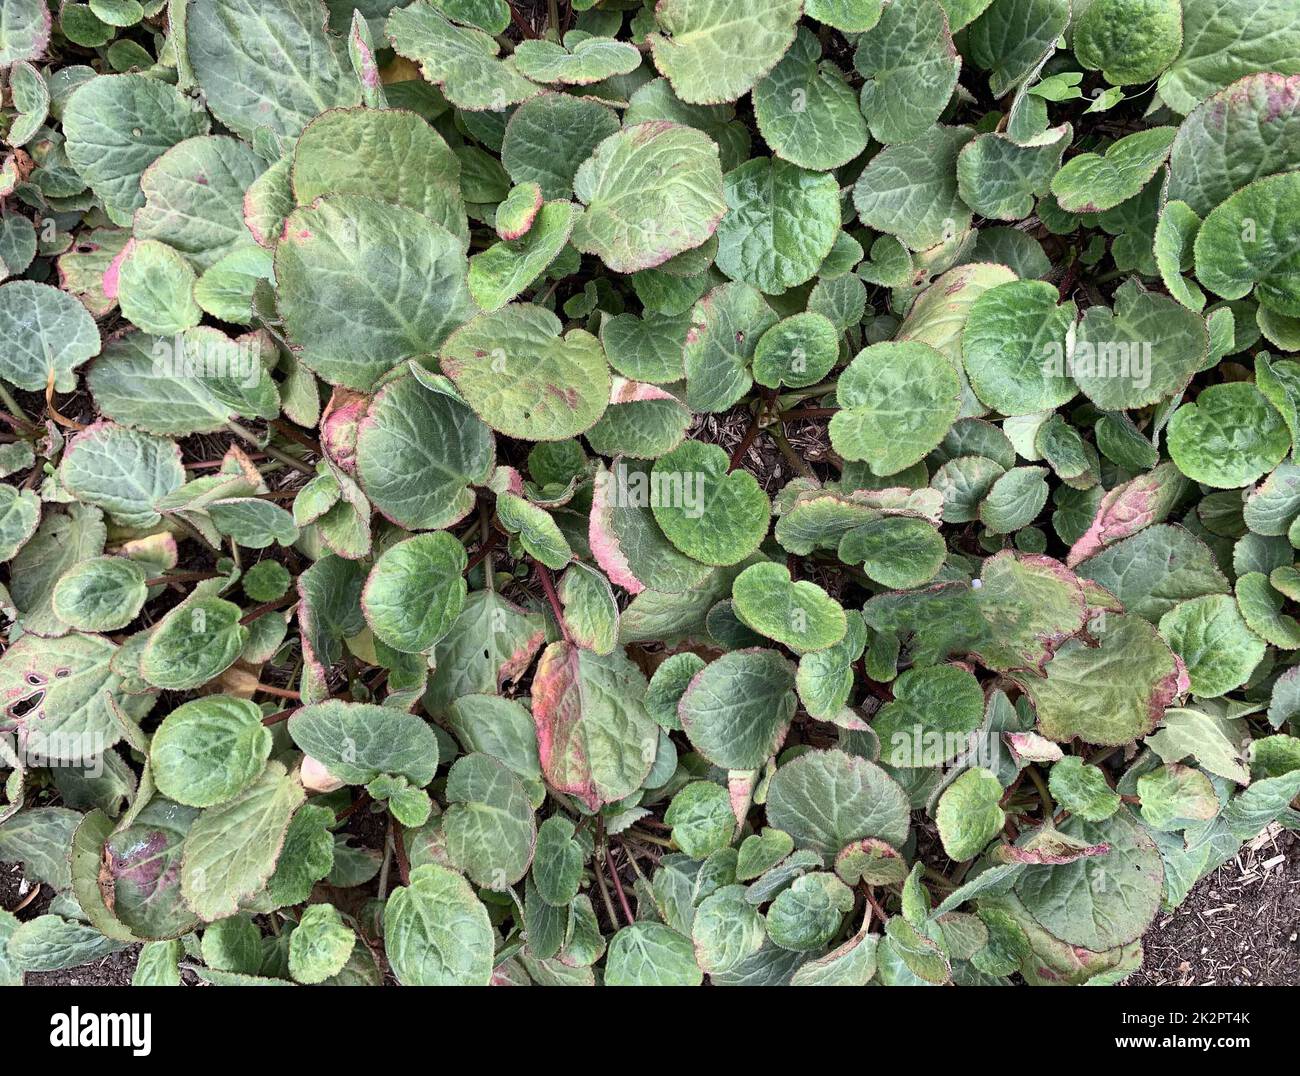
x: 786, y: 492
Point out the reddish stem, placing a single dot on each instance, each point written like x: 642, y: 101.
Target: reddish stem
x: 548, y: 585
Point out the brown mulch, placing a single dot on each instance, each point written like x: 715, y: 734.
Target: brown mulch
x: 1239, y: 927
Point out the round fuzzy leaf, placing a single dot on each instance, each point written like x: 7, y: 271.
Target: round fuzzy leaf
x: 651, y: 954
x: 388, y: 154
x: 437, y: 932
x: 24, y: 30
x: 808, y: 914
x: 1082, y: 789
x: 1261, y: 606
x: 726, y: 327
x: 711, y: 514
x: 667, y: 686
x: 736, y: 710
x: 364, y: 286
x: 525, y: 379
x: 1249, y: 241
x: 155, y: 289
x: 801, y: 615
x: 806, y: 110
x: 460, y: 60
x: 1014, y: 347
x: 518, y: 212
x: 1032, y: 604
x: 781, y: 223
x: 320, y: 944
x: 595, y: 739
x: 1129, y: 42
x: 194, y: 197
x: 590, y: 611
x: 715, y: 50
x: 261, y: 66
x: 643, y: 422
x: 999, y: 178
x: 590, y: 59
x: 701, y: 819
x: 142, y: 867
x: 115, y: 126
x: 897, y: 552
x: 1148, y: 349
x: 194, y: 643
x: 898, y: 400
x: 100, y: 594
x: 1229, y: 437
x: 1248, y: 130
x: 417, y: 479
x: 1174, y: 239
x: 44, y: 333
x: 969, y: 815
x: 910, y: 67
x: 640, y: 210
x: 488, y: 826
x: 209, y: 750
x: 1215, y: 644
x: 910, y: 190
x: 415, y: 591
x: 726, y: 930
x: 825, y: 678
x: 826, y: 799
x: 1010, y: 37
x: 1092, y: 182
x: 648, y: 348
x: 797, y: 351
x: 121, y: 471
x: 1153, y: 570
x: 357, y: 742
x: 1097, y: 902
x: 931, y: 717
x: 548, y: 137
x: 1109, y: 694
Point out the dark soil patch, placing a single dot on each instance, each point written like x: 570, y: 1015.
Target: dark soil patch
x: 1236, y: 928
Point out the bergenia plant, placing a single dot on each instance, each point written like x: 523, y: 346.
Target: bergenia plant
x: 797, y: 491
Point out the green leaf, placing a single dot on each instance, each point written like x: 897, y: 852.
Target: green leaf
x: 1215, y: 644
x: 709, y: 513
x: 1174, y: 797
x: 415, y: 591
x: 209, y: 750
x: 726, y: 930
x: 1082, y: 790
x: 20, y: 513
x: 806, y: 110
x: 726, y: 327
x: 549, y: 136
x: 1092, y: 182
x: 1153, y: 570
x: 492, y: 641
x: 797, y: 351
x: 910, y: 67
x: 800, y: 614
x: 498, y: 727
x: 356, y: 742
x: 364, y: 286
x: 898, y: 400
x: 437, y: 932
x: 650, y: 954
x: 930, y: 718
x: 781, y: 223
x: 716, y: 50
x: 1248, y: 241
x: 1125, y: 701
x: 488, y: 826
x: 590, y: 610
x: 897, y: 552
x: 46, y: 334
x: 808, y: 914
x: 736, y: 710
x: 825, y: 799
x: 265, y: 67
x: 194, y: 643
x: 525, y: 379
x: 51, y: 943
x: 910, y: 190
x: 588, y: 60
x: 155, y: 289
x: 24, y: 30
x: 230, y: 850
x: 1229, y: 437
x: 388, y: 154
x: 641, y: 212
x: 701, y: 819
x: 999, y: 177
x: 969, y: 814
x: 557, y: 862
x: 505, y: 269
x: 1129, y: 43
x: 320, y: 944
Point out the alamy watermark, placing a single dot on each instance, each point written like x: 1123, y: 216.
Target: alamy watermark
x: 234, y: 360
x: 655, y: 489
x: 1113, y: 359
